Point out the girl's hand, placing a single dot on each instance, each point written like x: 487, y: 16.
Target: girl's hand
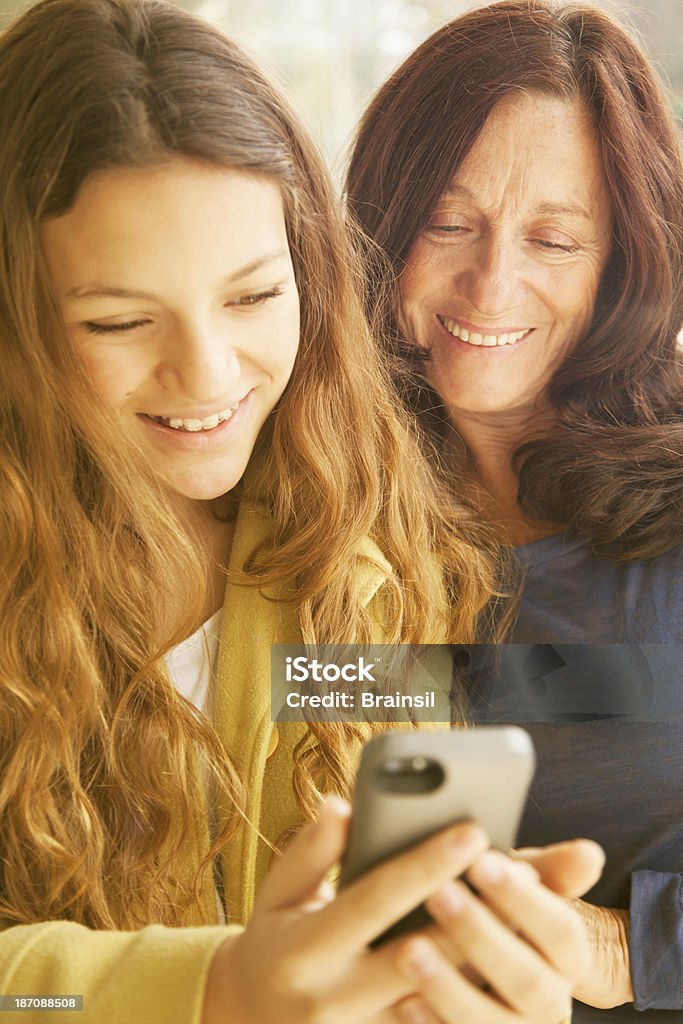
x: 521, y: 951
x: 302, y: 959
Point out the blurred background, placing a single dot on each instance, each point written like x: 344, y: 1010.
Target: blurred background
x: 331, y: 55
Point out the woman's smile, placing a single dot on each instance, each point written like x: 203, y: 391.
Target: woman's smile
x: 502, y: 281
x: 476, y: 336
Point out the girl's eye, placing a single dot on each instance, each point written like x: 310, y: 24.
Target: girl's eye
x: 95, y: 328
x: 258, y: 299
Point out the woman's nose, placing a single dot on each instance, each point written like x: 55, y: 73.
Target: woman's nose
x: 201, y: 363
x: 491, y: 282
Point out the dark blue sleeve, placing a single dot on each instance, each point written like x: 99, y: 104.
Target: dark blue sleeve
x: 656, y: 940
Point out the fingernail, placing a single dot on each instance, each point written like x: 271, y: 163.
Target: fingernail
x: 448, y: 900
x: 489, y: 869
x: 420, y: 961
x: 336, y: 807
x: 466, y: 838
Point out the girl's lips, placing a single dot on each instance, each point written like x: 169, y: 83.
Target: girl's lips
x: 197, y: 440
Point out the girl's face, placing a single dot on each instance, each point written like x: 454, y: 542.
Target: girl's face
x: 177, y: 287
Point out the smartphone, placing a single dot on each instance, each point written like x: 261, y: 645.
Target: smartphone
x: 412, y: 784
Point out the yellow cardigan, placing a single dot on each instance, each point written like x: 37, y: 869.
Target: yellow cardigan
x: 157, y: 975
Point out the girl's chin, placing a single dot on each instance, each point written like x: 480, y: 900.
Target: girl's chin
x: 195, y: 491
x: 203, y: 494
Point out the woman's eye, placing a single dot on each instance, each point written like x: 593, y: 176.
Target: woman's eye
x: 95, y: 328
x: 545, y: 244
x: 447, y: 229
x: 257, y: 299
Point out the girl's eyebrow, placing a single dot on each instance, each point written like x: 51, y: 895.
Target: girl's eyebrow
x: 97, y: 290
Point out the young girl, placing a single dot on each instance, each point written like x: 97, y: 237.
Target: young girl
x: 189, y: 396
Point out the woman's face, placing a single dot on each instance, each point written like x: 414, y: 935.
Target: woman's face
x: 177, y: 288
x: 502, y: 282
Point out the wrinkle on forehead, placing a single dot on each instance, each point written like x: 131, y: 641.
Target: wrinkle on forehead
x: 536, y: 154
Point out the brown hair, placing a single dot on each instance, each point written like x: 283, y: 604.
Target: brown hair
x: 99, y: 786
x: 613, y: 467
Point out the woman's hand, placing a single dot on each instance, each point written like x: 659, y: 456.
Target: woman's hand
x: 303, y: 959
x: 608, y: 981
x: 520, y: 947
x: 569, y: 868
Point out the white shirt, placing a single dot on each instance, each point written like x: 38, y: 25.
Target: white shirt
x: 191, y: 664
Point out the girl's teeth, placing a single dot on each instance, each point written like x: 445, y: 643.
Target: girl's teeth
x: 194, y: 425
x: 487, y: 340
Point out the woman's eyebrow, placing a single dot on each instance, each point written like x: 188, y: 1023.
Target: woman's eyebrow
x: 97, y: 290
x: 459, y: 192
x: 545, y: 207
x: 572, y: 209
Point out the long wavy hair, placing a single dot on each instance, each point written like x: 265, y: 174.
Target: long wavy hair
x: 612, y: 467
x: 100, y: 759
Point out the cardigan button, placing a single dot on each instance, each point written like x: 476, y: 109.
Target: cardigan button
x: 461, y: 656
x: 274, y: 740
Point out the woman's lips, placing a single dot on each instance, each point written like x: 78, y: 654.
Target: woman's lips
x: 482, y: 337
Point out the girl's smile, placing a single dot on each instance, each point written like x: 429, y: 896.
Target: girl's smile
x: 177, y: 288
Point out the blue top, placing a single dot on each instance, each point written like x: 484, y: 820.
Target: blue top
x: 595, y: 673
x: 573, y: 596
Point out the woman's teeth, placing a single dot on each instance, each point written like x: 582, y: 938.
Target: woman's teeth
x: 488, y: 340
x: 193, y: 425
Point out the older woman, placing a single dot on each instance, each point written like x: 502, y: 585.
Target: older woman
x: 520, y: 180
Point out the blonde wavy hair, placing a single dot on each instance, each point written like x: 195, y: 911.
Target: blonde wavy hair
x: 99, y: 755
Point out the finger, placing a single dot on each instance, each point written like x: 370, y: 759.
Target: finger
x: 383, y: 895
x: 545, y: 919
x: 323, y: 895
x: 414, y: 1010
x: 448, y: 994
x: 452, y: 953
x: 522, y: 977
x: 373, y: 987
x: 368, y: 991
x: 570, y: 868
x: 298, y: 875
